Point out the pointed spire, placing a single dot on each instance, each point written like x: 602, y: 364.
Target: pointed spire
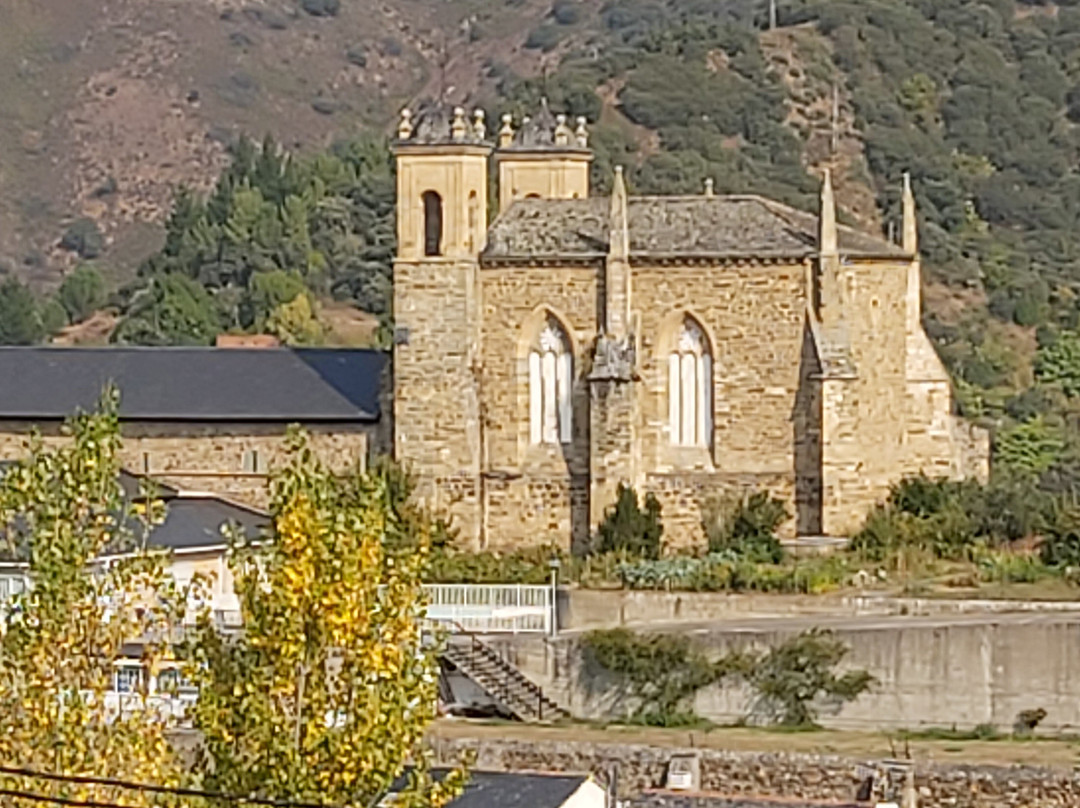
x: 581, y: 134
x: 910, y: 242
x: 620, y: 219
x: 405, y: 128
x: 828, y: 238
x: 709, y: 188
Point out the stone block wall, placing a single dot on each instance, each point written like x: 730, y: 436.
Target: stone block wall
x: 792, y: 779
x: 230, y: 460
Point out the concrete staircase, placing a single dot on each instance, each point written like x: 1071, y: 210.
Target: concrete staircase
x: 519, y: 695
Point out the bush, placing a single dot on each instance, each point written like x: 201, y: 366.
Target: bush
x: 53, y: 316
x: 545, y: 38
x: 660, y: 673
x: 726, y: 572
x: 321, y: 8
x: 794, y: 678
x: 20, y: 322
x: 84, y: 238
x: 746, y: 526
x: 628, y: 528
x: 1061, y: 542
x: 82, y: 293
x: 566, y: 12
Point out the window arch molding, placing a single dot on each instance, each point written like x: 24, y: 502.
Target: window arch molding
x: 547, y: 359
x: 686, y: 359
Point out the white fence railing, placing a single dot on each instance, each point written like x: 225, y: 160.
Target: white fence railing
x: 477, y: 608
x: 491, y: 608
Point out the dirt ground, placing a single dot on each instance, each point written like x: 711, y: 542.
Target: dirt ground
x: 1052, y: 753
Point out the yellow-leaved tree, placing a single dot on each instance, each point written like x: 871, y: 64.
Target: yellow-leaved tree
x: 326, y: 693
x: 62, y: 508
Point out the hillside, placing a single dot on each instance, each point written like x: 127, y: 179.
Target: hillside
x: 109, y: 106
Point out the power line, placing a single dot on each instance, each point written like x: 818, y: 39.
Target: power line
x: 26, y: 795
x: 176, y: 791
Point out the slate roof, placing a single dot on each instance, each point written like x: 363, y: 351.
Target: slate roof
x: 194, y: 384
x: 511, y: 789
x: 192, y: 522
x: 673, y: 226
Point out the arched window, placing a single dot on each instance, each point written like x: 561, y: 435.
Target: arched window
x: 432, y: 223
x: 690, y: 384
x: 551, y: 380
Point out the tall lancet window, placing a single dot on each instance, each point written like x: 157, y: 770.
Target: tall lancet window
x: 551, y: 381
x: 690, y: 384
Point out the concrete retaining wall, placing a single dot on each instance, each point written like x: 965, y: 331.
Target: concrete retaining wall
x: 931, y: 672
x: 581, y: 609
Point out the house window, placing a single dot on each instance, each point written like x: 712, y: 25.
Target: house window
x: 690, y: 384
x: 127, y: 679
x: 432, y: 223
x: 254, y: 462
x: 551, y: 379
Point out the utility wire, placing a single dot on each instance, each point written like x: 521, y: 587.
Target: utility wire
x: 180, y: 792
x: 26, y: 795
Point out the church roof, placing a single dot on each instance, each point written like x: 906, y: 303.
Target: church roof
x: 672, y: 226
x: 194, y: 384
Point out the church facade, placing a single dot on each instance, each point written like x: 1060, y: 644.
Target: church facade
x: 690, y: 346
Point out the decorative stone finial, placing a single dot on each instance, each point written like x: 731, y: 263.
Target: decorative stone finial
x: 459, y: 128
x: 910, y: 235
x: 828, y: 237
x: 563, y: 132
x: 581, y: 134
x: 709, y: 187
x: 506, y: 133
x: 479, y: 126
x: 405, y: 128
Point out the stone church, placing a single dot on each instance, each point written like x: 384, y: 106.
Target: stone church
x: 690, y: 346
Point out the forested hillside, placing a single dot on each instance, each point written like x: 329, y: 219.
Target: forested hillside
x: 980, y: 101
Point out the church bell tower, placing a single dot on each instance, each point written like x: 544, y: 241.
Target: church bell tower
x: 442, y: 196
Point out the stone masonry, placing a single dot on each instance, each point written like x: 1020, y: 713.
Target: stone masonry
x: 814, y: 379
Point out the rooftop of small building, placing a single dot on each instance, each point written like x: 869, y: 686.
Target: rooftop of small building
x: 705, y: 226
x: 487, y: 789
x: 305, y: 385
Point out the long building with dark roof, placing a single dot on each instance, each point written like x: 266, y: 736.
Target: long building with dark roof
x: 694, y: 347
x: 203, y: 419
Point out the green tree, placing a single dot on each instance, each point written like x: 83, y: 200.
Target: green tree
x: 629, y: 528
x: 20, y: 322
x: 326, y: 694
x: 172, y: 310
x: 82, y: 293
x: 60, y: 509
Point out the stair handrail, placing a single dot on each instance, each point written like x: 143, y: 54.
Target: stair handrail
x: 482, y: 648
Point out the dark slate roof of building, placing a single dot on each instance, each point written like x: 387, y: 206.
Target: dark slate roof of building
x: 195, y: 521
x: 674, y: 226
x: 512, y: 789
x: 194, y: 384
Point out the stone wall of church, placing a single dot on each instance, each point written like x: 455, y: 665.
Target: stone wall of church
x: 754, y: 315
x: 230, y: 460
x: 864, y: 445
x: 534, y: 494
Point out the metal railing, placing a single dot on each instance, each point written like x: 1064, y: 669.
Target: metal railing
x: 491, y: 608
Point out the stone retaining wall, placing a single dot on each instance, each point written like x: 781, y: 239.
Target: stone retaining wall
x: 749, y: 775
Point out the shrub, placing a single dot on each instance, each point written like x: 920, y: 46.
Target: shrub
x: 1032, y: 447
x: 20, y: 322
x: 660, y: 673
x: 746, y: 526
x: 566, y: 12
x: 545, y: 38
x: 321, y: 8
x: 84, y: 238
x: 630, y: 529
x: 792, y: 679
x: 81, y: 293
x: 1061, y: 542
x: 53, y: 316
